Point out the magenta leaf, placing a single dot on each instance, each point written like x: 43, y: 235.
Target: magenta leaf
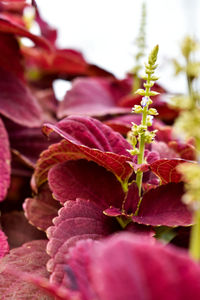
x: 85, y: 138
x: 163, y: 206
x: 93, y: 97
x: 166, y: 169
x: 77, y: 220
x: 4, y: 162
x: 87, y: 180
x: 31, y: 258
x: 41, y: 209
x: 4, y: 248
x: 17, y: 102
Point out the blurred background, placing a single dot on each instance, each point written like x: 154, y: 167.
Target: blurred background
x: 105, y: 32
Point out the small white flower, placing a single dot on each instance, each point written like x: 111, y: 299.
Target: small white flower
x: 144, y: 101
x: 149, y: 120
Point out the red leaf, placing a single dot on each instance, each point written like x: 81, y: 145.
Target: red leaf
x: 166, y: 169
x: 11, y: 58
x: 85, y: 138
x: 129, y: 266
x: 93, y: 97
x: 17, y: 102
x: 77, y: 220
x: 8, y: 26
x: 82, y: 179
x: 163, y: 206
x: 22, y: 139
x: 41, y: 209
x: 4, y: 162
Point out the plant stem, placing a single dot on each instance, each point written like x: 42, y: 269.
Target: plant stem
x: 140, y: 157
x: 194, y: 248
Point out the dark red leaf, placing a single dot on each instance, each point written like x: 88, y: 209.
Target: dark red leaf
x: 18, y: 230
x: 163, y: 206
x: 11, y: 58
x: 87, y: 180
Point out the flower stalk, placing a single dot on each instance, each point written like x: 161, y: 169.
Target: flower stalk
x: 140, y: 135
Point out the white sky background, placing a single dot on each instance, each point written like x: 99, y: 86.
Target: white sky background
x: 105, y: 30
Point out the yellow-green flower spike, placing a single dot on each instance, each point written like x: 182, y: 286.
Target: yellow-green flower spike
x: 140, y: 132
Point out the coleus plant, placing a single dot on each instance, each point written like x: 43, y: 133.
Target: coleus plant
x: 92, y: 173
x: 93, y: 183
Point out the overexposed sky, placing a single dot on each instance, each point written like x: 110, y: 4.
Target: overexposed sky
x: 105, y: 30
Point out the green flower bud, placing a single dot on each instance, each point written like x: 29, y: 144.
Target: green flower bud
x: 153, y: 55
x: 153, y: 93
x: 134, y: 151
x: 137, y: 109
x: 140, y: 92
x: 152, y: 111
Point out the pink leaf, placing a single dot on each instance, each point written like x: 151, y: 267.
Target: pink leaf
x: 31, y: 258
x: 4, y: 248
x: 4, y: 162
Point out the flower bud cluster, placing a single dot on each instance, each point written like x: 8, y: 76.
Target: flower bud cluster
x: 139, y: 134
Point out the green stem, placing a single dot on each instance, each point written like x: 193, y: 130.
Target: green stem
x: 195, y: 237
x: 140, y: 157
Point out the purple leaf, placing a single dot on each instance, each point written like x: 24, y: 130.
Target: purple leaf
x: 4, y: 162
x: 163, y: 206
